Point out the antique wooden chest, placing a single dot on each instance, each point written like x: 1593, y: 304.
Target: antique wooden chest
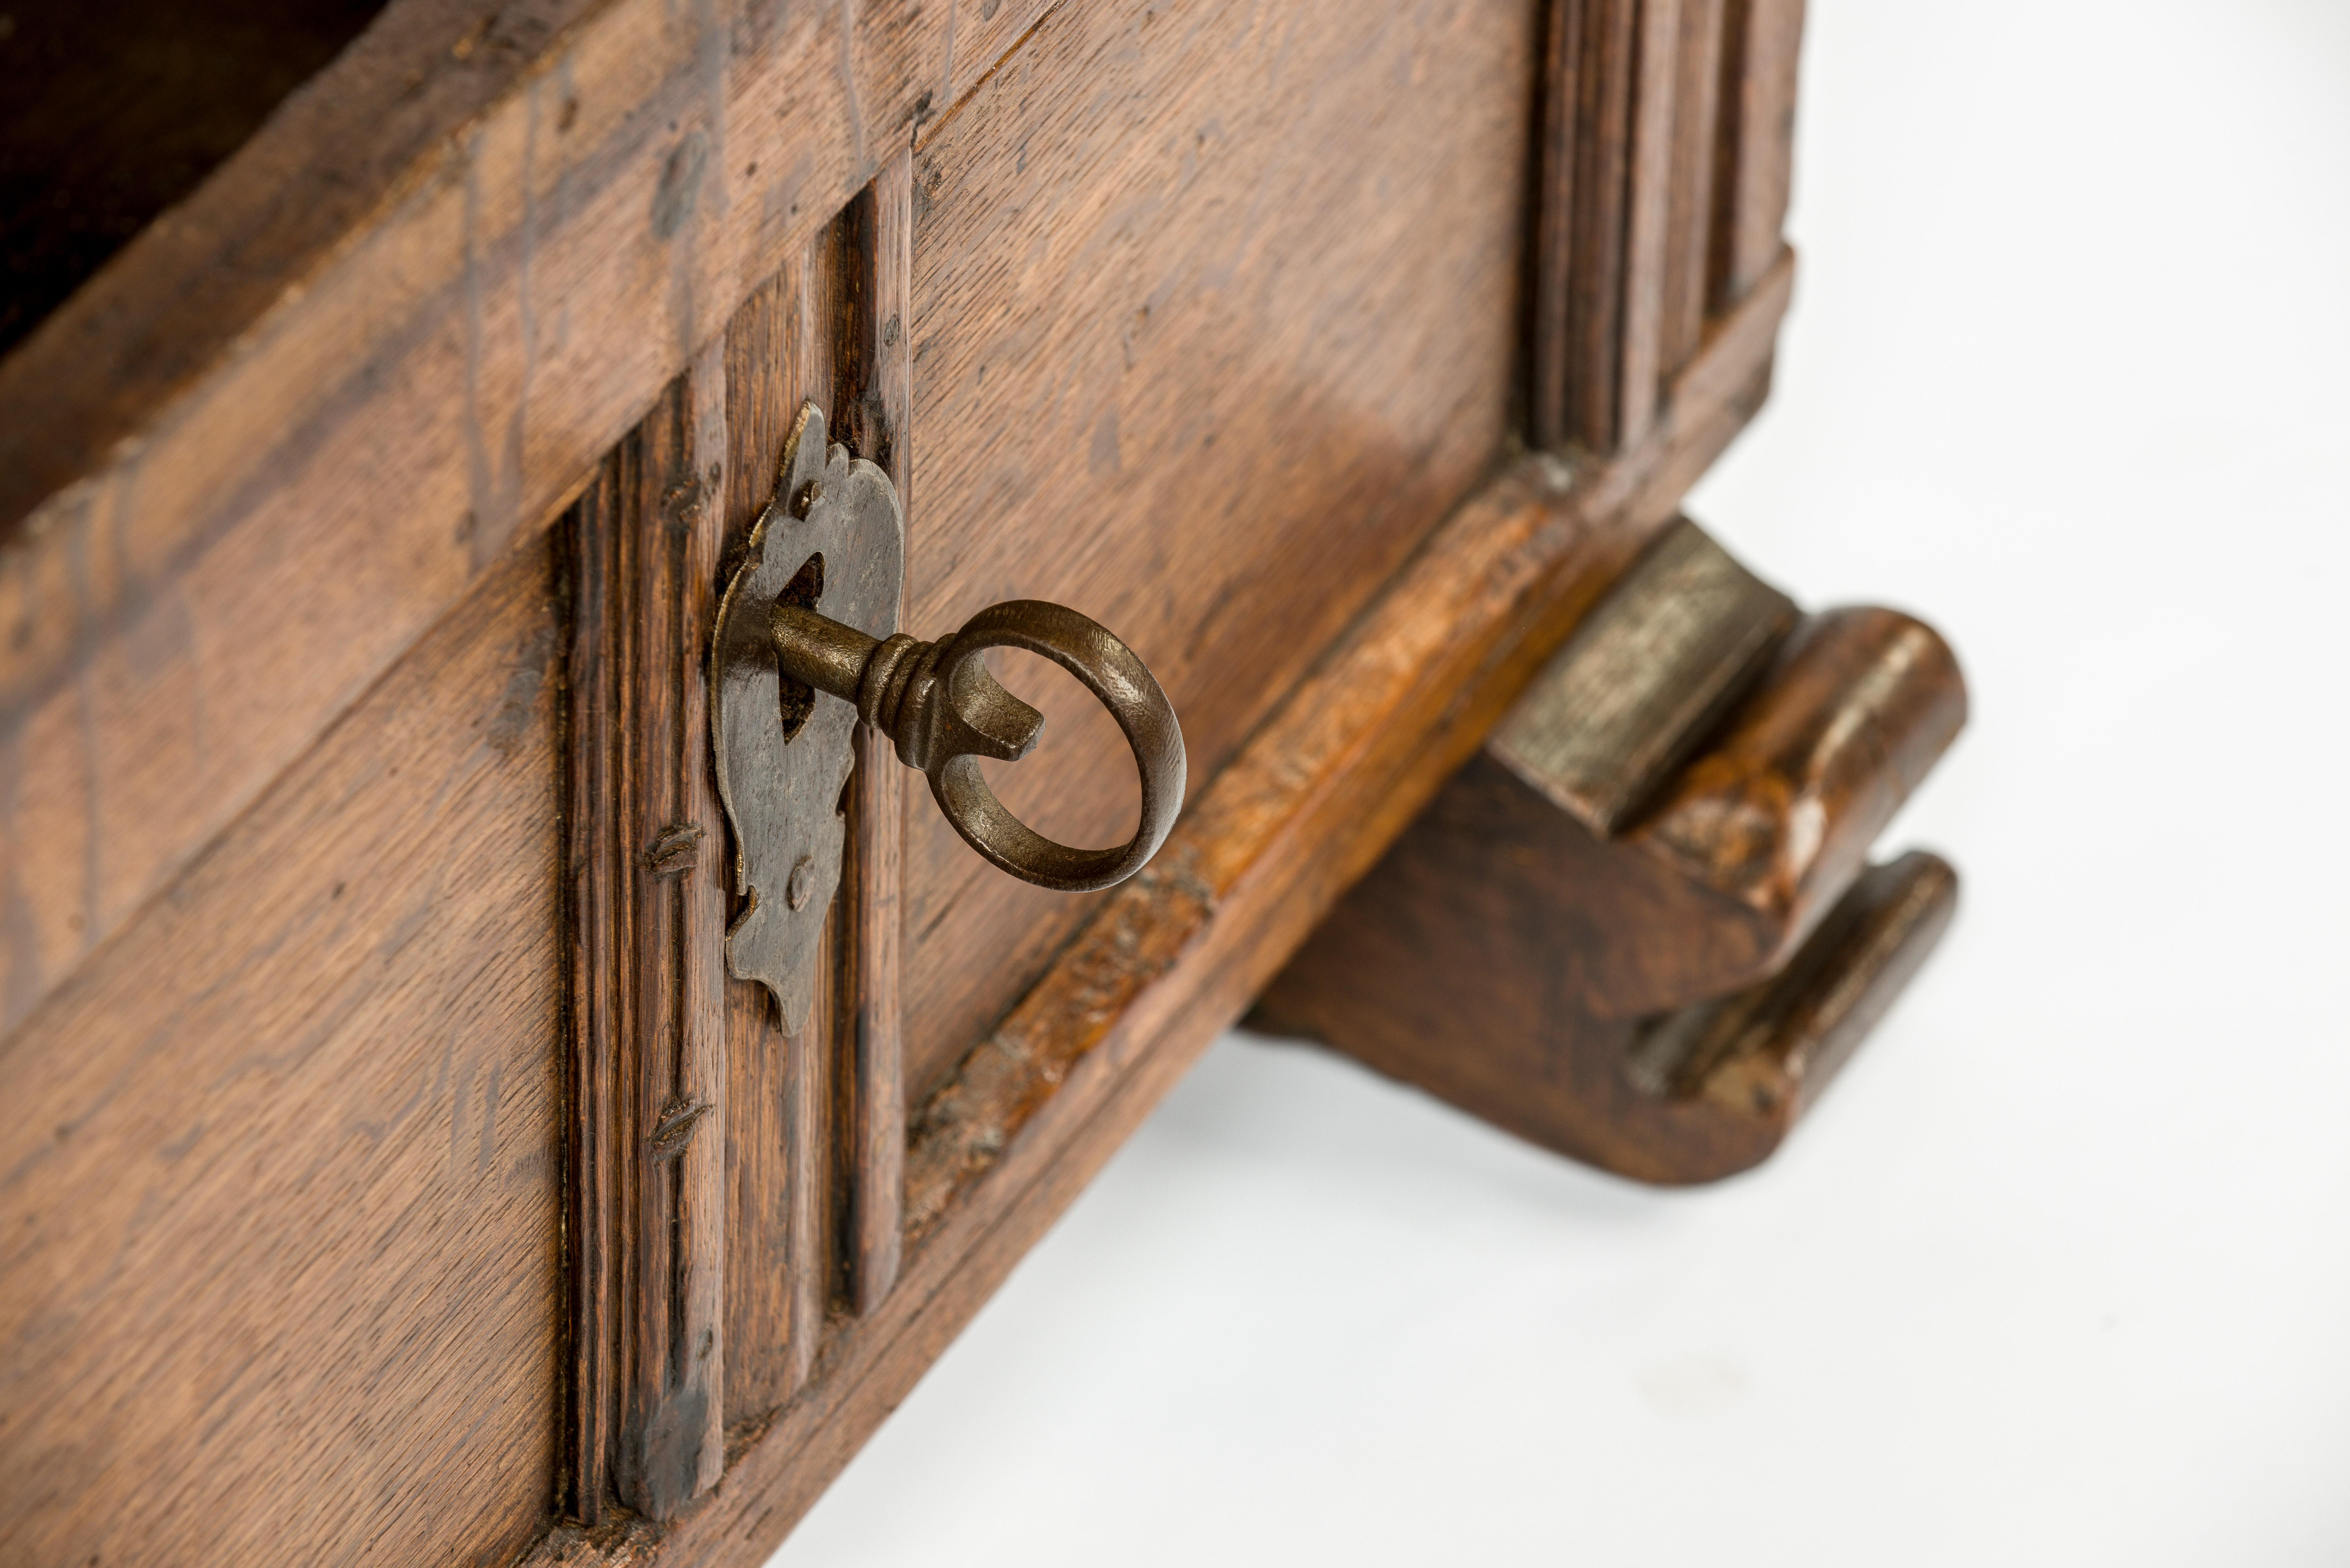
x: 395, y: 1170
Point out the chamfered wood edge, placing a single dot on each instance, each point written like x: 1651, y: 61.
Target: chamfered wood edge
x: 1350, y: 757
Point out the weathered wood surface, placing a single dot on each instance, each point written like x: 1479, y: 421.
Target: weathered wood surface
x: 1350, y: 755
x: 873, y: 343
x: 1236, y: 314
x: 280, y: 1192
x: 1777, y: 815
x: 1664, y: 1000
x: 646, y: 912
x: 1640, y: 684
x: 1455, y: 969
x: 767, y: 1101
x: 1763, y: 1055
x: 1206, y: 304
x: 280, y: 435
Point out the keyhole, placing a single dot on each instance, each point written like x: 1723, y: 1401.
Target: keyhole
x: 797, y: 698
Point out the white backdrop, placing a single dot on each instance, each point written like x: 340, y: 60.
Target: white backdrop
x: 2060, y: 1271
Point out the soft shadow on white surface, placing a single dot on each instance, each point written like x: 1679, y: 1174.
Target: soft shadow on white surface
x: 2058, y: 1273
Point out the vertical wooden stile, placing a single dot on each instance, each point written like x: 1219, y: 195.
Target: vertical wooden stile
x: 1649, y: 199
x: 816, y: 1148
x: 1648, y: 203
x: 877, y: 1124
x: 763, y: 354
x: 1607, y: 58
x: 810, y: 1195
x: 1548, y: 360
x: 698, y: 527
x: 1697, y: 94
x: 593, y: 1029
x: 647, y: 1009
x: 1762, y: 39
x: 1602, y: 220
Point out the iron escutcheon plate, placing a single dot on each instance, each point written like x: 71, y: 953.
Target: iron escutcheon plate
x: 783, y: 756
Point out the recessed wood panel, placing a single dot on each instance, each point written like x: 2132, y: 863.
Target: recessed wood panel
x: 1214, y: 316
x: 280, y: 1183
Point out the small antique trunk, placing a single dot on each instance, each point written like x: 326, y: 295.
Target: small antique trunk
x: 423, y: 425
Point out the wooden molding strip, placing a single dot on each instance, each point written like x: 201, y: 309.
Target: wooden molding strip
x: 647, y: 917
x: 1664, y: 138
x: 1762, y: 41
x: 1350, y: 757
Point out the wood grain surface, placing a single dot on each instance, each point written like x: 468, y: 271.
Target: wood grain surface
x: 1647, y: 218
x: 768, y: 1105
x: 390, y: 336
x: 1757, y: 140
x: 1351, y: 754
x: 780, y: 1172
x: 1685, y: 268
x: 280, y: 1201
x: 646, y: 917
x: 1210, y: 301
x: 816, y: 1150
x: 1664, y: 133
x: 1193, y: 307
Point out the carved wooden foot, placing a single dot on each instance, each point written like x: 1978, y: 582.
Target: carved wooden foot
x: 1640, y: 927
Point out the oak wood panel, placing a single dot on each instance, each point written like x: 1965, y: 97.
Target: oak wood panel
x: 280, y: 1190
x: 389, y: 336
x: 1212, y: 301
x: 1353, y: 753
